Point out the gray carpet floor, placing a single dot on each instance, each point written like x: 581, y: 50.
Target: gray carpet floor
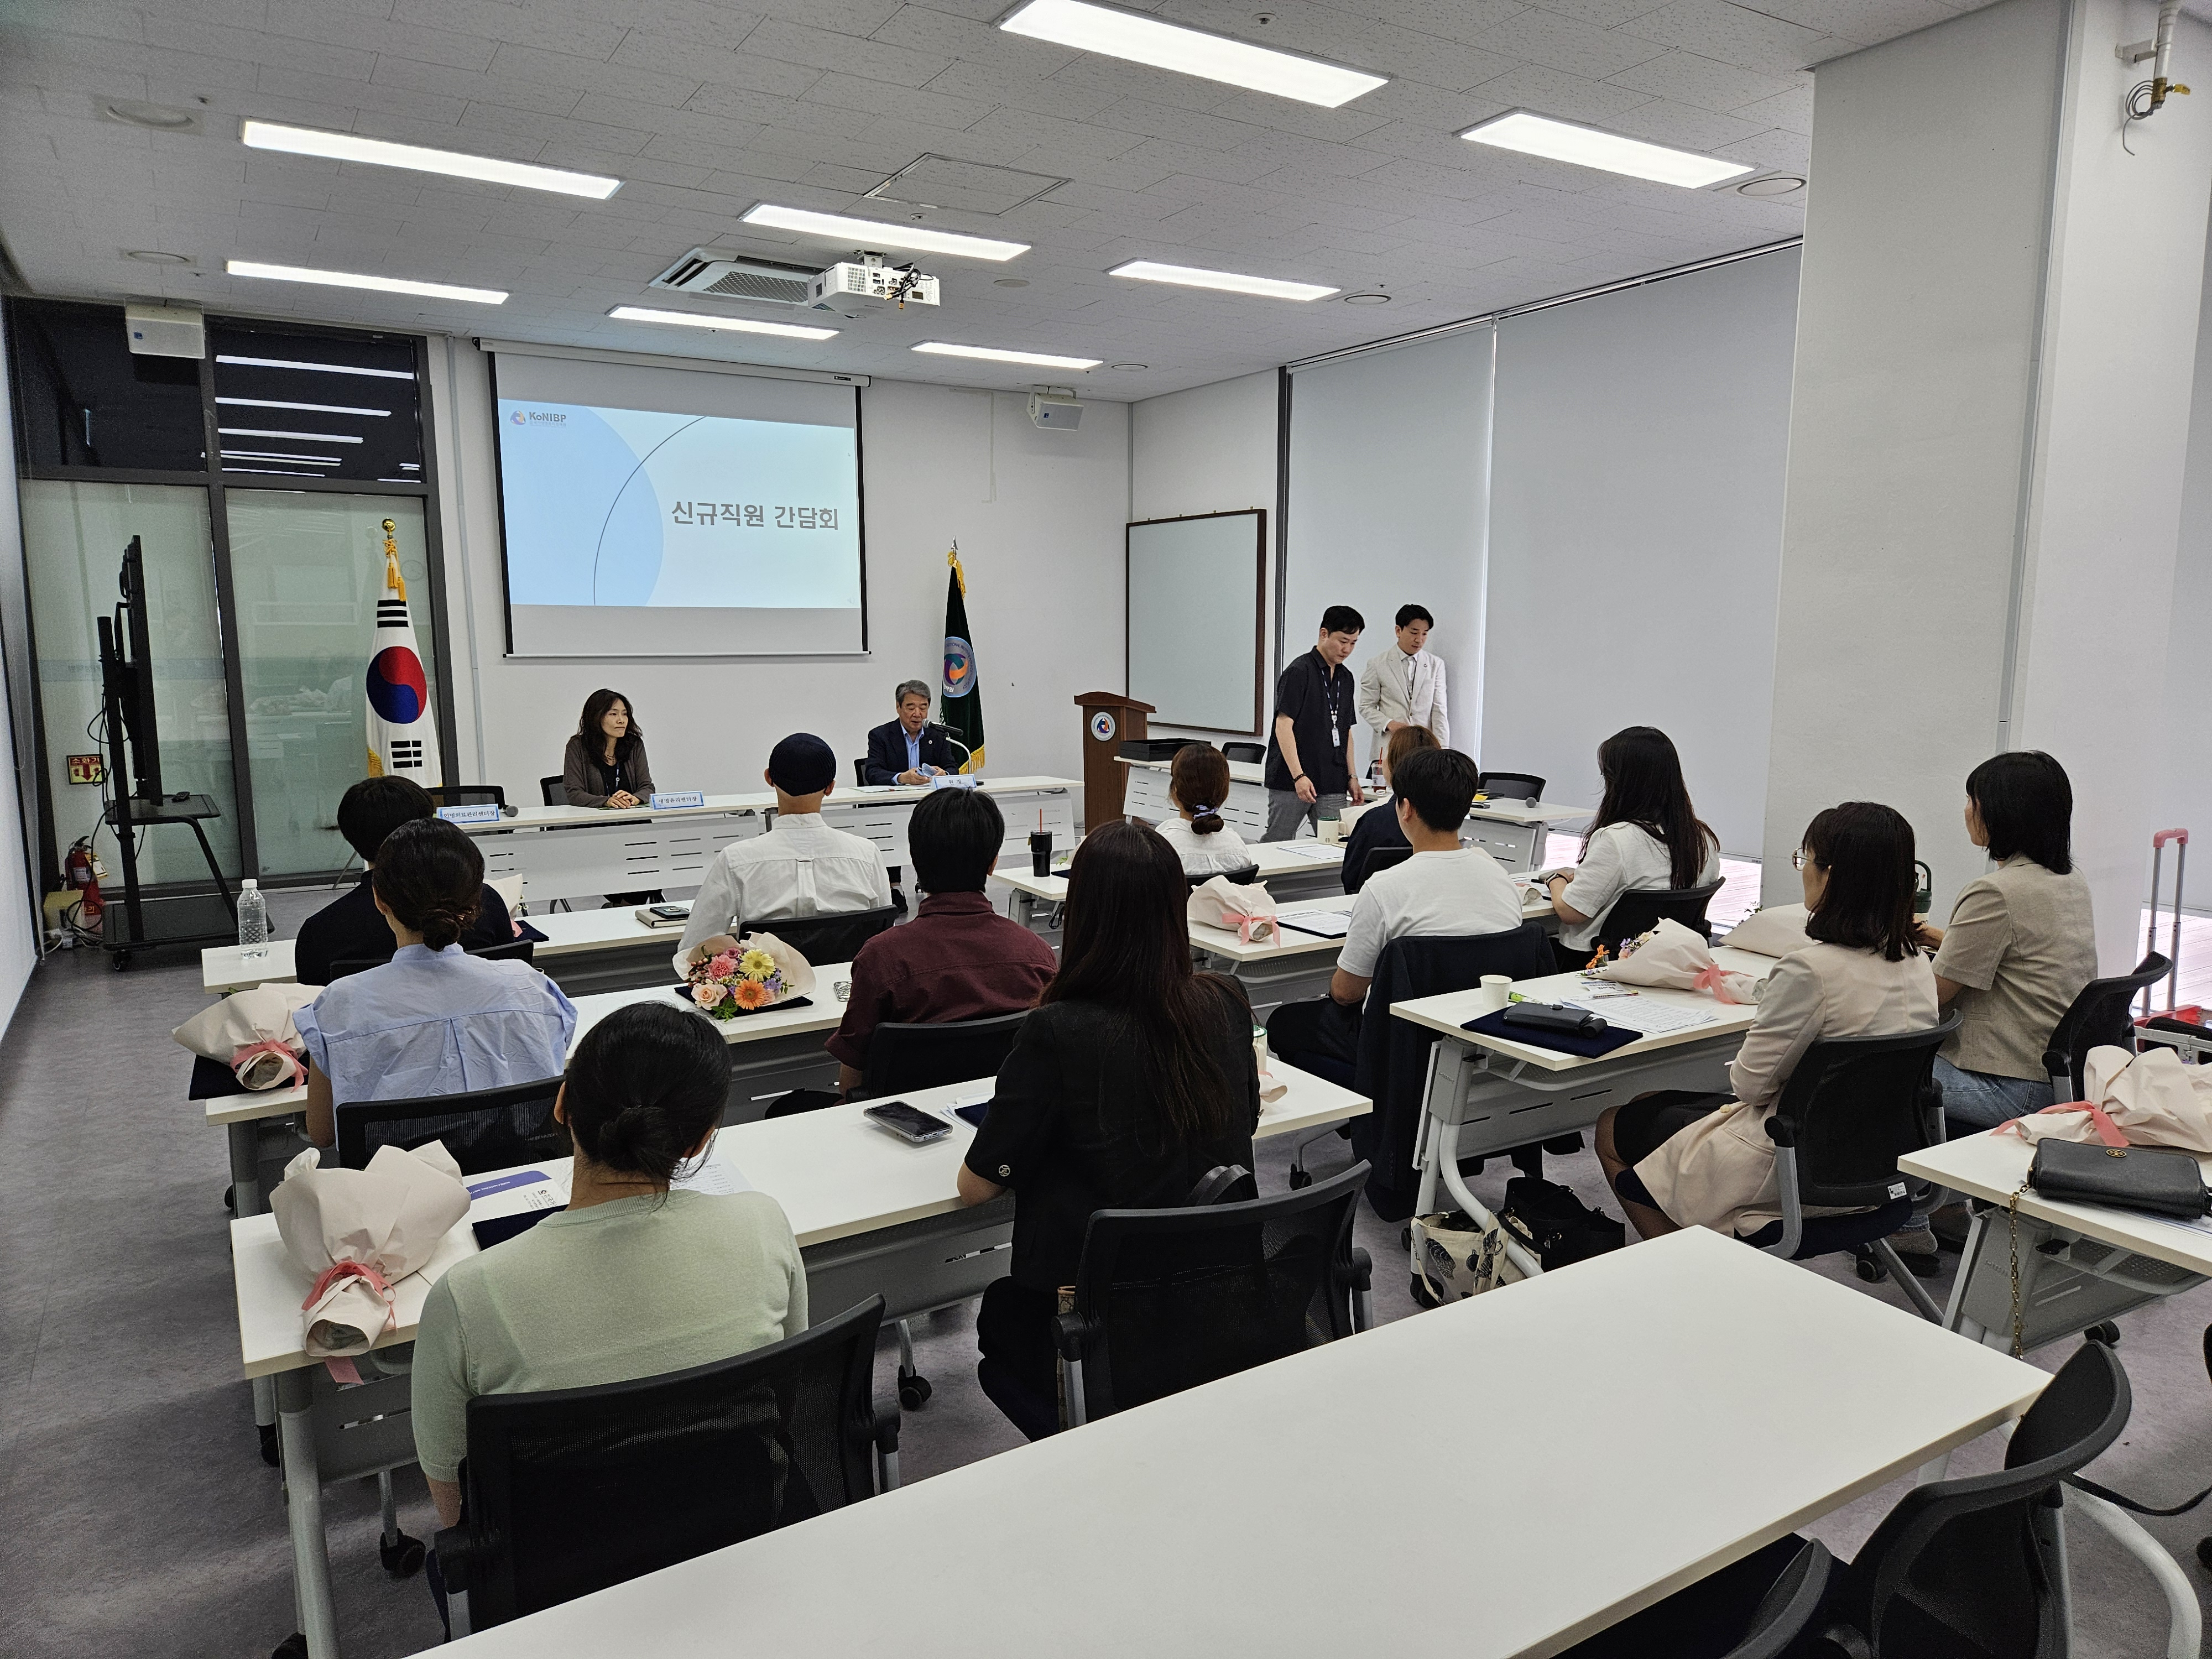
x: 137, y: 1519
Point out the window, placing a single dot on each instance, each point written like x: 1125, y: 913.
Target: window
x: 84, y: 400
x: 315, y: 406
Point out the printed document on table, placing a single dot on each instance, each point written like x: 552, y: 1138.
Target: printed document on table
x: 1324, y: 924
x: 1315, y: 850
x: 1642, y: 1015
x: 716, y: 1173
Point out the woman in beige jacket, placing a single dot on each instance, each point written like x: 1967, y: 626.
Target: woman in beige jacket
x: 1679, y: 1160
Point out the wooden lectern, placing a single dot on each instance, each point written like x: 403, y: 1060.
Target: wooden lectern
x: 1109, y: 720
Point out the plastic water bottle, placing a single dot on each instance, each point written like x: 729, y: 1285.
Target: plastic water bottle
x: 252, y: 921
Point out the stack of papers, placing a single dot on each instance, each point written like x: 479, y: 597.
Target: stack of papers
x: 1642, y: 1014
x: 1323, y: 924
x: 1311, y: 849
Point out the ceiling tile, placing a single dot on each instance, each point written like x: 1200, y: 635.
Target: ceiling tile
x: 1693, y: 80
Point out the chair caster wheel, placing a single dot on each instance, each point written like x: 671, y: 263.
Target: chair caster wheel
x: 118, y: 962
x: 1405, y: 1238
x: 269, y: 1443
x: 1300, y: 1178
x: 294, y: 1646
x: 2204, y: 1551
x: 1868, y: 1268
x: 914, y: 1391
x: 402, y: 1556
x: 2108, y: 1334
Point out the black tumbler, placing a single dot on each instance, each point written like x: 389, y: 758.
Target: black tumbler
x: 1041, y: 852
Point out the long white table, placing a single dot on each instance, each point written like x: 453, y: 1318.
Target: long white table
x: 566, y: 852
x: 871, y: 1212
x: 1288, y: 869
x: 2079, y: 1264
x: 579, y: 947
x: 1268, y: 1513
x: 1512, y: 832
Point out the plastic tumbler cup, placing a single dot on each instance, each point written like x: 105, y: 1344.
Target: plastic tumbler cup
x: 1040, y: 852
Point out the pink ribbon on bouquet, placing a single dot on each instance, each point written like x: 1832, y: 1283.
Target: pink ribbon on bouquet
x: 342, y: 1369
x: 1709, y: 979
x: 2107, y: 1131
x: 294, y: 1072
x: 1245, y: 924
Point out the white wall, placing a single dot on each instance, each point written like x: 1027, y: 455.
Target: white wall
x: 19, y: 927
x: 1211, y: 449
x: 1640, y: 440
x: 1037, y: 514
x: 1389, y: 481
x: 2183, y: 717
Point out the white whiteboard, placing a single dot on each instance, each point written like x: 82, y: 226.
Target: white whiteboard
x: 1196, y: 589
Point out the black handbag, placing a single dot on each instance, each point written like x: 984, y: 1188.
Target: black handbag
x: 1548, y: 1220
x: 2155, y: 1179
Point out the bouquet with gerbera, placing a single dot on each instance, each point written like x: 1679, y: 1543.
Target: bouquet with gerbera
x: 729, y: 977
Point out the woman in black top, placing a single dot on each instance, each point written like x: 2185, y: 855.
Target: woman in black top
x: 605, y: 764
x: 1378, y: 827
x: 1133, y: 1078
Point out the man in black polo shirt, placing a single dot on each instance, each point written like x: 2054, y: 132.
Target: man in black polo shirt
x: 1309, y: 770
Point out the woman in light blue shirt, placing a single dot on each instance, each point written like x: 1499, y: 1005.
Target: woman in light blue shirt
x: 434, y: 1020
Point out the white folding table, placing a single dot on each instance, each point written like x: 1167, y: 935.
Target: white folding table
x: 1288, y: 869
x: 871, y: 1212
x: 2079, y: 1265
x: 1280, y: 1511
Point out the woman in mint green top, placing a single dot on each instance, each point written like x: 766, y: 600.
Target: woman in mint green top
x: 631, y: 1280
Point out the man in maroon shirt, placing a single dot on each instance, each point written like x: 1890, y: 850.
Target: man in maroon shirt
x: 958, y: 958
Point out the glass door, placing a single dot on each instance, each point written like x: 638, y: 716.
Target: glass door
x: 306, y: 569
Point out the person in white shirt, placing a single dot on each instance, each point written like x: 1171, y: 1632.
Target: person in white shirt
x: 1198, y: 784
x: 801, y: 868
x: 1646, y: 838
x: 1405, y: 686
x: 1445, y: 890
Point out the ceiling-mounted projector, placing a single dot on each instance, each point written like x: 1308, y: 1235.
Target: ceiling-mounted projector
x: 868, y: 281
x: 1054, y: 406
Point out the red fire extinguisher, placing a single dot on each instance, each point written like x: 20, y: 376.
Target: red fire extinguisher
x: 82, y: 871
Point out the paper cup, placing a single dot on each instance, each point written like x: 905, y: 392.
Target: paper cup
x: 1495, y: 989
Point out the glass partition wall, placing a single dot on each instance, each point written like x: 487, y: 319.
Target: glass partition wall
x: 258, y: 479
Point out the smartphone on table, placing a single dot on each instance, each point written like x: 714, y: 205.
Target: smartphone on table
x: 908, y: 1123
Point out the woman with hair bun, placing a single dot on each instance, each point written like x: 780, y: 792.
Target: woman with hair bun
x: 631, y: 1280
x: 1198, y: 789
x: 434, y: 1020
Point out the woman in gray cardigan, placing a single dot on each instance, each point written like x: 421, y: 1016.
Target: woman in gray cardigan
x: 605, y: 764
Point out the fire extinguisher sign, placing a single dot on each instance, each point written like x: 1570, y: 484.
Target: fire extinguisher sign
x: 86, y: 768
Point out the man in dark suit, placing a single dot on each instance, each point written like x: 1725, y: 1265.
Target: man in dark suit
x: 351, y: 929
x: 909, y: 750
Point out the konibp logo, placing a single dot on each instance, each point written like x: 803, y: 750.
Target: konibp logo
x: 536, y: 417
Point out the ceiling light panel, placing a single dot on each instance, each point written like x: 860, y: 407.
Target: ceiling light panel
x: 1142, y: 40
x: 997, y: 354
x: 482, y: 296
x: 1566, y: 141
x: 271, y: 432
x: 313, y: 368
x: 1229, y: 282
x: 311, y: 408
x: 733, y: 324
x: 875, y: 234
x: 350, y: 147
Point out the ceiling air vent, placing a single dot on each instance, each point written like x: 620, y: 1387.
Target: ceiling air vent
x: 731, y: 277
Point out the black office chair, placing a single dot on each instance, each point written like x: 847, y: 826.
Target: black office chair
x: 1252, y: 752
x: 1372, y: 862
x: 572, y: 1489
x: 1509, y: 786
x: 860, y: 772
x: 1244, y: 876
x: 829, y: 939
x: 1758, y: 1608
x: 1634, y: 915
x: 1964, y: 1569
x: 1168, y: 1299
x: 551, y: 789
x: 1850, y: 1109
x: 484, y: 1129
x: 466, y: 794
x: 514, y: 949
x: 2098, y: 1017
x: 929, y: 1057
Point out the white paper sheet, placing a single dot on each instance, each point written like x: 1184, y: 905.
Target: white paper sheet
x: 1324, y: 924
x: 1644, y: 1014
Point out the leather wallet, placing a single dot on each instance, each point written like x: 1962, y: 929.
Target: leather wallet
x: 2156, y: 1179
x: 1550, y: 1016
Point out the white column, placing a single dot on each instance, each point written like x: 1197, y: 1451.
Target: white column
x: 1996, y: 335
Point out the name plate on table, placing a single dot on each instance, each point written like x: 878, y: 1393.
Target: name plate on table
x: 953, y: 780
x: 484, y: 813
x: 663, y: 800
